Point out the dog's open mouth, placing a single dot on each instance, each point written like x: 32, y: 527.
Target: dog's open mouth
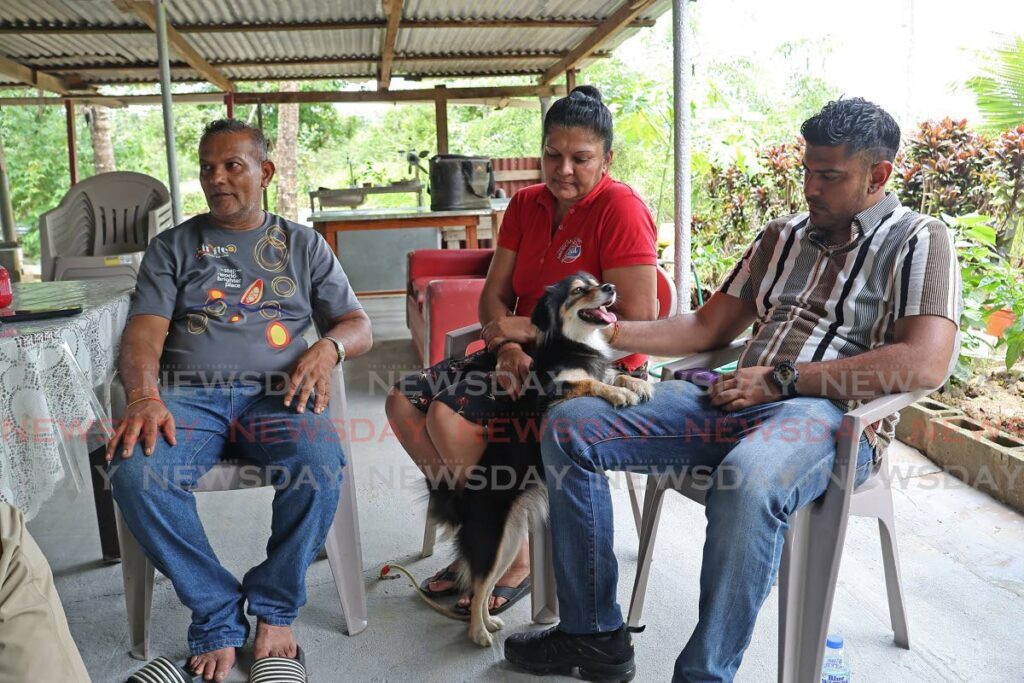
x: 597, y: 316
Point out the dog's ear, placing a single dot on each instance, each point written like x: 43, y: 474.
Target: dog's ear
x: 545, y: 314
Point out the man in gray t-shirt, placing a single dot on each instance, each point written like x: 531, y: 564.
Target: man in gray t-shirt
x: 214, y: 363
x: 224, y: 290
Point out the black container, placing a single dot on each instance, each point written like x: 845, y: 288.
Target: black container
x: 460, y: 182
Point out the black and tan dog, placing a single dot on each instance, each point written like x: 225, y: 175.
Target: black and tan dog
x: 490, y: 514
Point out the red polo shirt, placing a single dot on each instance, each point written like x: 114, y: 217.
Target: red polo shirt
x: 609, y: 228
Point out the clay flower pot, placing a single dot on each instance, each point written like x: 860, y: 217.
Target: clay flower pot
x: 998, y: 321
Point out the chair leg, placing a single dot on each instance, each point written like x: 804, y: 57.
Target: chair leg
x: 652, y: 516
x: 429, y: 535
x: 345, y: 555
x: 794, y: 552
x: 634, y: 503
x: 544, y: 598
x: 893, y: 585
x: 137, y: 571
x: 812, y: 570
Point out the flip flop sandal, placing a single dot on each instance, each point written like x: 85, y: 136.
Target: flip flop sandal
x: 512, y: 595
x: 445, y: 574
x: 162, y: 670
x: 279, y: 669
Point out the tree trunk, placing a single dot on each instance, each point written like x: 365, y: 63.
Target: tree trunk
x: 285, y: 156
x: 99, y: 132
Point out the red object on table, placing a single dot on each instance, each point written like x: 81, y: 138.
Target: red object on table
x: 6, y: 295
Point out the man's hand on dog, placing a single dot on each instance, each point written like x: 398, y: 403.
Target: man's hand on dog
x: 312, y: 372
x: 512, y: 368
x: 513, y: 328
x: 744, y: 388
x: 146, y: 419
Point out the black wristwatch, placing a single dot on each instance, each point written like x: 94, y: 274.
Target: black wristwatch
x: 785, y: 376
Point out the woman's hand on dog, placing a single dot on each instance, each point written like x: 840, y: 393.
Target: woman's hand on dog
x: 513, y: 328
x: 512, y: 369
x: 744, y: 388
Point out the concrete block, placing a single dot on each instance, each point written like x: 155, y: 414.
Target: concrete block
x: 1008, y: 468
x: 915, y: 426
x: 981, y: 455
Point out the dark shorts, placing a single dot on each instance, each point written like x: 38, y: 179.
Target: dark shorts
x: 469, y: 386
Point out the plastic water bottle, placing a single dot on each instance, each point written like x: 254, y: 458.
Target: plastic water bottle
x: 834, y: 669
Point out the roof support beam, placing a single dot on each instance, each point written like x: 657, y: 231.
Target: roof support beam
x: 626, y: 13
x: 313, y: 61
x: 33, y: 77
x: 393, y: 8
x: 27, y: 29
x: 421, y: 95
x: 146, y: 11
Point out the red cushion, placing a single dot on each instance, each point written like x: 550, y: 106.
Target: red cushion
x: 419, y: 284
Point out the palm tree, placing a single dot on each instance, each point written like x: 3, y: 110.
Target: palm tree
x: 1000, y: 87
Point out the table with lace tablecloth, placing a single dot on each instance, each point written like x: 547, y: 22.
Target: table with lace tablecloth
x: 50, y: 372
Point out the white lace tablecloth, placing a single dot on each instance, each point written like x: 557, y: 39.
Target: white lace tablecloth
x: 49, y: 373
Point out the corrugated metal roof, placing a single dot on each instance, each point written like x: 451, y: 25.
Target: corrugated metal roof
x: 75, y: 37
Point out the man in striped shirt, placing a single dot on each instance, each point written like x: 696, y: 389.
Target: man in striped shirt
x: 857, y: 298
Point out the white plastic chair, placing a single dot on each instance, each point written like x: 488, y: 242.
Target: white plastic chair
x: 101, y: 227
x: 344, y: 549
x: 544, y: 600
x: 814, y: 541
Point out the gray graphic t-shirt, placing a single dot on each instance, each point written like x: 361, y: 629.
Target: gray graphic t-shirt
x: 238, y: 301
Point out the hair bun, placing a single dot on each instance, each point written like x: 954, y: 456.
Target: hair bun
x: 586, y: 91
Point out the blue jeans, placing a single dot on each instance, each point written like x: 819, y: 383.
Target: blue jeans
x: 303, y: 452
x: 769, y: 461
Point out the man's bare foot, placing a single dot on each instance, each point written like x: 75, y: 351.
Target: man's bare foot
x: 213, y: 665
x: 274, y: 641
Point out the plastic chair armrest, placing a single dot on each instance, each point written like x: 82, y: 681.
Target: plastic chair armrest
x: 706, y: 359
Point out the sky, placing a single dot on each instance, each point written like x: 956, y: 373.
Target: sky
x: 905, y: 55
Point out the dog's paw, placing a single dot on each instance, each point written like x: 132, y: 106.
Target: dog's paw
x: 643, y: 389
x: 481, y: 637
x: 620, y: 398
x: 494, y: 624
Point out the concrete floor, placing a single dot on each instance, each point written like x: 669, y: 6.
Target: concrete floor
x: 962, y: 561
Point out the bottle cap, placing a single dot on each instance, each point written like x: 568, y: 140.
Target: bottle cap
x: 834, y: 641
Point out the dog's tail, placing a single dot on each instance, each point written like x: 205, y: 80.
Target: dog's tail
x: 437, y: 607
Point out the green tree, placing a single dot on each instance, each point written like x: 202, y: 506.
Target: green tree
x: 999, y: 89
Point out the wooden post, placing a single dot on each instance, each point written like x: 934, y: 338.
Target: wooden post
x: 69, y: 110
x: 259, y: 124
x: 441, y: 119
x: 229, y: 103
x: 570, y: 80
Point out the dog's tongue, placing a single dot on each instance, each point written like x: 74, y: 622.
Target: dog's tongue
x: 602, y: 314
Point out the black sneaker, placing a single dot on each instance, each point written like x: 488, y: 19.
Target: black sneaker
x: 604, y: 657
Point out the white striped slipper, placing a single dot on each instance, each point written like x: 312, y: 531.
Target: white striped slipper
x: 279, y: 669
x: 161, y: 670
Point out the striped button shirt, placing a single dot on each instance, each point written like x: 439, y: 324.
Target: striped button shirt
x: 820, y: 302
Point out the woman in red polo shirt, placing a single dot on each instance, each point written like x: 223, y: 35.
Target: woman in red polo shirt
x: 579, y: 218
